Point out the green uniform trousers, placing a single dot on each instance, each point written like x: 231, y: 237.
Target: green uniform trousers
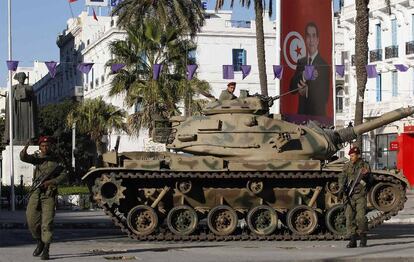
x: 40, y: 213
x: 355, y: 211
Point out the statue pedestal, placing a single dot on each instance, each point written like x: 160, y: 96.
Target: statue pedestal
x: 20, y: 168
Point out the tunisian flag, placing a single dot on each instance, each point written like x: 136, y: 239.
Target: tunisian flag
x: 72, y: 1
x: 306, y: 42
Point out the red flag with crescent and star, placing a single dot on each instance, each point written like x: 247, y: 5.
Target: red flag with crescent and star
x: 306, y: 43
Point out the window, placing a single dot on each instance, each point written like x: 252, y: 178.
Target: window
x: 379, y: 88
x: 378, y: 35
x: 386, y: 159
x: 239, y: 58
x: 192, y: 57
x: 138, y: 107
x: 394, y: 31
x: 366, y: 149
x: 339, y: 100
x: 394, y: 83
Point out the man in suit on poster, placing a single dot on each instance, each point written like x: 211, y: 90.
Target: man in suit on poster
x: 314, y: 93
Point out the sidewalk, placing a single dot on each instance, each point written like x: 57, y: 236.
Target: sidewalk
x: 63, y: 219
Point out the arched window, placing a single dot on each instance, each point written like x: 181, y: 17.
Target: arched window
x: 340, y: 100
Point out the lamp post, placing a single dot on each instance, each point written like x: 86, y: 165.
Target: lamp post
x: 10, y: 113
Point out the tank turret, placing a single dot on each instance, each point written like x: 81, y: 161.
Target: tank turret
x: 243, y: 129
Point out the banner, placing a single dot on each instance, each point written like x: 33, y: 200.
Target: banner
x: 306, y: 42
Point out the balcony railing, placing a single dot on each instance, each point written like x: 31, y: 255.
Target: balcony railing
x: 409, y: 48
x: 375, y: 55
x: 391, y: 51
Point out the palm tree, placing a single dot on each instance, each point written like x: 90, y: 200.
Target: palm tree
x: 260, y: 43
x: 361, y: 58
x: 186, y: 14
x: 144, y: 47
x: 96, y: 118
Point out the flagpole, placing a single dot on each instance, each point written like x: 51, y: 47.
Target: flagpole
x: 10, y: 113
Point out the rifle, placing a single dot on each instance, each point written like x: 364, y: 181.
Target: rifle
x: 38, y: 181
x: 350, y: 187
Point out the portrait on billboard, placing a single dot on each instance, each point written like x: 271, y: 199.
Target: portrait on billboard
x: 312, y: 91
x: 306, y: 41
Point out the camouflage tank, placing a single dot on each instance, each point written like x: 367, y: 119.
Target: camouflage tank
x: 239, y: 173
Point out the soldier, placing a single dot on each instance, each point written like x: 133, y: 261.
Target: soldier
x: 228, y: 93
x: 41, y: 206
x: 355, y: 209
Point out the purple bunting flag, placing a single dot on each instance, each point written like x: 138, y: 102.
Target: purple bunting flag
x: 190, y: 71
x: 116, y: 67
x: 228, y: 72
x: 51, y: 66
x: 277, y: 71
x: 401, y: 67
x: 308, y: 73
x: 340, y: 70
x: 156, y: 71
x: 85, y: 67
x: 246, y: 70
x: 371, y: 71
x: 12, y: 65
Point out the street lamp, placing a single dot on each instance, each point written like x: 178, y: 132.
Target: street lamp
x: 10, y: 113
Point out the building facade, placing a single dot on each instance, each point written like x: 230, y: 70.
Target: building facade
x: 391, y: 41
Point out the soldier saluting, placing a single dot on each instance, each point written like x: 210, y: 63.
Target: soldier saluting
x: 356, y: 172
x: 48, y: 173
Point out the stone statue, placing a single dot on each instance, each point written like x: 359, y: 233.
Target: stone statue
x: 24, y: 111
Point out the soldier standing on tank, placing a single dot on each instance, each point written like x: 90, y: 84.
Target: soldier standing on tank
x: 228, y: 94
x: 41, y: 206
x: 355, y: 209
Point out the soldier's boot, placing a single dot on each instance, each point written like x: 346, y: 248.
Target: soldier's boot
x: 364, y: 239
x: 39, y: 248
x: 45, y: 254
x: 352, y: 242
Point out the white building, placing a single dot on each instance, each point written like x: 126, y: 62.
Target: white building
x: 390, y: 42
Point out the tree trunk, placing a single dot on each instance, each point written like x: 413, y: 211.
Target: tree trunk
x: 361, y: 59
x: 260, y: 45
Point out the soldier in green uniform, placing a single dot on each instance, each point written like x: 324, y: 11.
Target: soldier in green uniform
x: 228, y: 93
x: 355, y: 209
x: 41, y: 206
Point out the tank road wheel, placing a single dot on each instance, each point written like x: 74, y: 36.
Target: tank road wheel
x: 222, y: 220
x: 108, y: 190
x: 182, y: 220
x: 385, y: 197
x: 262, y: 220
x: 142, y: 220
x: 335, y: 220
x: 302, y: 220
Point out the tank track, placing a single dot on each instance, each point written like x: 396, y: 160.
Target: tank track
x: 285, y: 235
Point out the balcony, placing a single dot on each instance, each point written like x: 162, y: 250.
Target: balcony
x: 391, y: 51
x: 409, y: 48
x: 375, y: 55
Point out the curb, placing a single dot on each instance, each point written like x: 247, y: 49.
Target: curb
x: 60, y: 225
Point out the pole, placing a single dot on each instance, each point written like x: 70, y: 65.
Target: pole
x: 10, y: 113
x: 73, y: 144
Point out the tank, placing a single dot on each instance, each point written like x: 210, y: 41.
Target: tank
x: 237, y: 172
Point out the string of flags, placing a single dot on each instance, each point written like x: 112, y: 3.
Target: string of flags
x: 228, y: 70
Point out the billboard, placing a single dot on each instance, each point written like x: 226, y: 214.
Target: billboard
x: 96, y: 2
x: 306, y: 42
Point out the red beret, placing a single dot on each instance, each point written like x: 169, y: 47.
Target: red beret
x: 44, y: 139
x: 354, y: 150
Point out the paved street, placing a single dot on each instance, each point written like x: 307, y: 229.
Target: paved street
x: 89, y: 236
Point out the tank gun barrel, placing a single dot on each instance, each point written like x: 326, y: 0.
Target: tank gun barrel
x: 350, y: 133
